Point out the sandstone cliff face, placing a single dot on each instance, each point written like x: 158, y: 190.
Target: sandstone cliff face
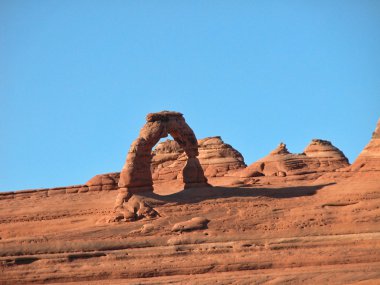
x: 318, y: 156
x: 369, y: 158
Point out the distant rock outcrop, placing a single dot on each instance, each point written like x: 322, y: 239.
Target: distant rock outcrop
x: 215, y: 157
x: 318, y: 156
x: 323, y: 156
x: 107, y: 181
x: 369, y: 158
x: 218, y: 158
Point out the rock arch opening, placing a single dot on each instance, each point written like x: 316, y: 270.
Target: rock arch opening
x: 136, y: 176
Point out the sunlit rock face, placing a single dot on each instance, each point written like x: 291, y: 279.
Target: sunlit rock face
x: 168, y: 159
x: 216, y: 158
x: 369, y: 158
x: 136, y: 174
x: 318, y: 156
x: 325, y: 222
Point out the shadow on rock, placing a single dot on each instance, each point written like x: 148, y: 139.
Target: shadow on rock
x: 142, y: 205
x: 196, y: 195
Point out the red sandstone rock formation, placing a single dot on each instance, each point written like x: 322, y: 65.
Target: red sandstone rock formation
x: 369, y: 158
x: 136, y: 176
x: 168, y: 159
x: 107, y: 181
x: 296, y: 231
x: 215, y: 157
x: 318, y: 156
x: 218, y: 158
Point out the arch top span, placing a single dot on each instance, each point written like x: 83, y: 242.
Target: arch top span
x: 136, y: 176
x: 163, y: 116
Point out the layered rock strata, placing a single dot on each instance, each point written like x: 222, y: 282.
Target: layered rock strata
x: 318, y: 156
x: 136, y: 176
x: 215, y: 157
x: 369, y: 158
x: 107, y: 181
x: 218, y: 158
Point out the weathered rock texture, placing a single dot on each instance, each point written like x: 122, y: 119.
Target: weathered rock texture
x: 107, y: 181
x: 197, y: 223
x: 218, y: 158
x: 294, y: 233
x: 136, y: 176
x: 215, y: 157
x: 369, y: 158
x: 318, y: 156
x: 286, y: 231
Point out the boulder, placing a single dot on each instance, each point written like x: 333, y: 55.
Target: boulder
x: 197, y: 223
x: 107, y: 181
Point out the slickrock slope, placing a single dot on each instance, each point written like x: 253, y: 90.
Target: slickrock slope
x: 298, y: 234
x: 321, y: 229
x: 369, y: 158
x: 318, y: 157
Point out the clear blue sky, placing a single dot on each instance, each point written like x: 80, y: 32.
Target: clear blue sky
x: 78, y: 77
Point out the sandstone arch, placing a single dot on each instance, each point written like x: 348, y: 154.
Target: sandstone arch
x: 136, y: 176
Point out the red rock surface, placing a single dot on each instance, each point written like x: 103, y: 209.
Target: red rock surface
x: 168, y: 159
x: 319, y: 224
x: 369, y: 158
x: 216, y: 158
x: 136, y: 174
x: 318, y: 157
x: 105, y: 181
